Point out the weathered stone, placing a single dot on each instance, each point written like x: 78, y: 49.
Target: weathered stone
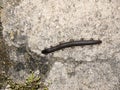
x: 46, y: 23
x: 33, y: 25
x: 88, y: 76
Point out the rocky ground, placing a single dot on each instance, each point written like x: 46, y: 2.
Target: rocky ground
x: 31, y: 82
x: 29, y: 26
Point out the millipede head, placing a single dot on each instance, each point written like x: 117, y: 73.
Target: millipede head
x: 44, y: 51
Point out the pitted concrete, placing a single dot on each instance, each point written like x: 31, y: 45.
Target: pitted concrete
x: 39, y: 24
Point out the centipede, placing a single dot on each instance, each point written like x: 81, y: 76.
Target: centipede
x: 70, y: 43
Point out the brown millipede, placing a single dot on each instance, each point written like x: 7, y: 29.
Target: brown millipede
x: 70, y: 44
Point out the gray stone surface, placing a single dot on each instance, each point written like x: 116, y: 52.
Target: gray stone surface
x: 89, y: 76
x: 32, y: 25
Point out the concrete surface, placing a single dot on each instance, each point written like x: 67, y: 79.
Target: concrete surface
x: 32, y: 25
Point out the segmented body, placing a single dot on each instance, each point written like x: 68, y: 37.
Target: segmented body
x: 70, y: 44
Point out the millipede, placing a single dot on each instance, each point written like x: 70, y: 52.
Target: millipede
x: 71, y: 43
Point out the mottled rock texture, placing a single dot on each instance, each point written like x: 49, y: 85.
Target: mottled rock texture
x: 32, y: 25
